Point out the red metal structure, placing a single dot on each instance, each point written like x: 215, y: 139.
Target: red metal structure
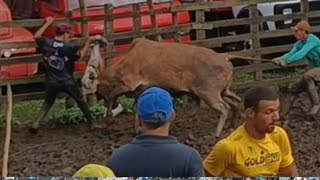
x: 15, y: 35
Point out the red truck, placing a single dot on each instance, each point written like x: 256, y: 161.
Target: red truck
x: 15, y: 35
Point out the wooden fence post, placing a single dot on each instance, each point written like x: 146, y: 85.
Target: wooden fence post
x: 200, y: 19
x: 136, y: 20
x: 304, y: 9
x: 256, y: 40
x: 84, y: 23
x: 108, y: 31
x: 153, y: 20
x: 176, y: 36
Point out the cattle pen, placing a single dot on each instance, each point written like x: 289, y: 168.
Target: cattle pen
x: 90, y: 144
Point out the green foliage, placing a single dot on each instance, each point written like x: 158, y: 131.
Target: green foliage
x: 127, y: 104
x: 178, y: 102
x: 243, y: 78
x: 285, y: 88
x: 75, y: 116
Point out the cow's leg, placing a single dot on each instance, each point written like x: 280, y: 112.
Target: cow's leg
x: 215, y: 101
x: 110, y: 104
x: 233, y: 100
x: 299, y: 87
x: 232, y: 95
x: 195, y: 105
x: 235, y: 109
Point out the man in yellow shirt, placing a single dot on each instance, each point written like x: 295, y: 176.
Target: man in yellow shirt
x: 258, y: 147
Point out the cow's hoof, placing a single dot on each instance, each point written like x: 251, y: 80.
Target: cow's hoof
x: 33, y: 130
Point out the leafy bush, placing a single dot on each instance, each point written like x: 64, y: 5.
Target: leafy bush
x: 75, y: 116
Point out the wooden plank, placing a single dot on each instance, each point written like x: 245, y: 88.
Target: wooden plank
x: 36, y: 58
x: 263, y: 51
x: 200, y: 18
x: 263, y: 67
x: 152, y: 14
x: 304, y: 9
x: 21, y: 59
x: 115, y: 36
x: 108, y: 10
x: 312, y: 14
x: 274, y: 49
x: 213, y: 42
x: 30, y: 23
x: 84, y: 23
x: 31, y: 96
x: 283, y: 32
x: 244, y: 21
x: 266, y: 82
x: 137, y: 19
x: 32, y: 79
x: 217, y: 4
x: 253, y: 11
x: 40, y: 22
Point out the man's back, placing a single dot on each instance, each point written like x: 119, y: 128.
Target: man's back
x: 67, y: 53
x: 156, y: 156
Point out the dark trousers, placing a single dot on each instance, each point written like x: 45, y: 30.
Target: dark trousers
x: 71, y: 88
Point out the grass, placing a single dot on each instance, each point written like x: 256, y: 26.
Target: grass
x: 26, y: 111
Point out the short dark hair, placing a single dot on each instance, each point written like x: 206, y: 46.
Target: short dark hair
x: 152, y: 125
x: 155, y: 125
x: 256, y: 94
x: 63, y: 28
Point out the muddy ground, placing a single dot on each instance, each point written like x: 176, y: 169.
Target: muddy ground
x: 59, y: 150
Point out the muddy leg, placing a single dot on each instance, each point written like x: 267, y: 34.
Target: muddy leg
x: 216, y: 102
x: 313, y: 95
x: 234, y: 101
x: 235, y: 110
x: 231, y: 95
x: 286, y: 108
x: 195, y: 107
x: 51, y: 94
x: 70, y: 102
x: 299, y: 87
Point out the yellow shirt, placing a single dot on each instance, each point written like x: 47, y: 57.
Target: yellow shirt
x: 241, y: 155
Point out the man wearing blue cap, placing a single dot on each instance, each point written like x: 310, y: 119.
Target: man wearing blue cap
x: 155, y: 153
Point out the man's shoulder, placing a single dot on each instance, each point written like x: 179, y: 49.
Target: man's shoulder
x: 278, y: 133
x: 313, y: 37
x: 186, y: 148
x: 233, y: 140
x: 122, y: 149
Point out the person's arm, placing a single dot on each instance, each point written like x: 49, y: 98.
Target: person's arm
x: 288, y: 167
x: 84, y: 50
x: 49, y: 21
x: 289, y: 171
x: 218, y: 159
x: 298, y: 55
x: 290, y: 53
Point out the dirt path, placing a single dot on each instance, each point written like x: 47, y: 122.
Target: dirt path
x: 76, y: 145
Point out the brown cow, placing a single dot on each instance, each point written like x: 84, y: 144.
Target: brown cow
x: 175, y: 67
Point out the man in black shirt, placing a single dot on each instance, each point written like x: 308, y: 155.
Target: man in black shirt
x: 59, y: 57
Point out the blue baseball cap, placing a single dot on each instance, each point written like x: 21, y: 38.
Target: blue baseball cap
x: 155, y: 105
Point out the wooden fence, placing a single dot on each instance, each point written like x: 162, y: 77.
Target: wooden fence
x: 199, y: 26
